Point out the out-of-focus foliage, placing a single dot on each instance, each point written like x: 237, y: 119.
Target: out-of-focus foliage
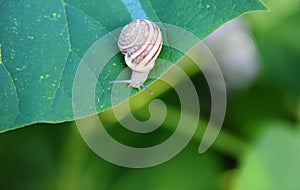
x: 273, y: 161
x: 258, y: 147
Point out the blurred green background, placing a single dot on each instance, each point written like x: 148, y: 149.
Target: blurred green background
x: 258, y: 147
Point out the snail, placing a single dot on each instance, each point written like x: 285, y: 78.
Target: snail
x: 141, y: 42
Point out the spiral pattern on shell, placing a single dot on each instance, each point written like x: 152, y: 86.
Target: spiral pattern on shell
x: 141, y: 42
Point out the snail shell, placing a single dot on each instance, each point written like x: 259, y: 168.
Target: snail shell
x: 141, y: 42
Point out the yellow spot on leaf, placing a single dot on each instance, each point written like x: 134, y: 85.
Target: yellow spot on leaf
x: 0, y: 55
x: 30, y: 37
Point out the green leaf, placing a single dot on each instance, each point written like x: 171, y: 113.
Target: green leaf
x: 188, y: 170
x: 273, y: 163
x: 42, y: 43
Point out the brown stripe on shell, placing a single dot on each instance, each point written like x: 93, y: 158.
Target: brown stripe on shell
x: 141, y: 41
x: 155, y: 54
x: 128, y: 36
x: 147, y: 37
x: 147, y: 50
x: 148, y: 45
x: 151, y: 49
x: 159, y: 42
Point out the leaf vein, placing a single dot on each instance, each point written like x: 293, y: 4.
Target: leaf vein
x: 12, y: 81
x: 102, y: 26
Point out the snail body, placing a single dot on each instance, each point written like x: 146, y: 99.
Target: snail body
x: 141, y: 42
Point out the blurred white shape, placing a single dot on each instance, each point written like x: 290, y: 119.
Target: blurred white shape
x: 235, y: 51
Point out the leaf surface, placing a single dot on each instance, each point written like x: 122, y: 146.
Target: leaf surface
x: 42, y: 43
